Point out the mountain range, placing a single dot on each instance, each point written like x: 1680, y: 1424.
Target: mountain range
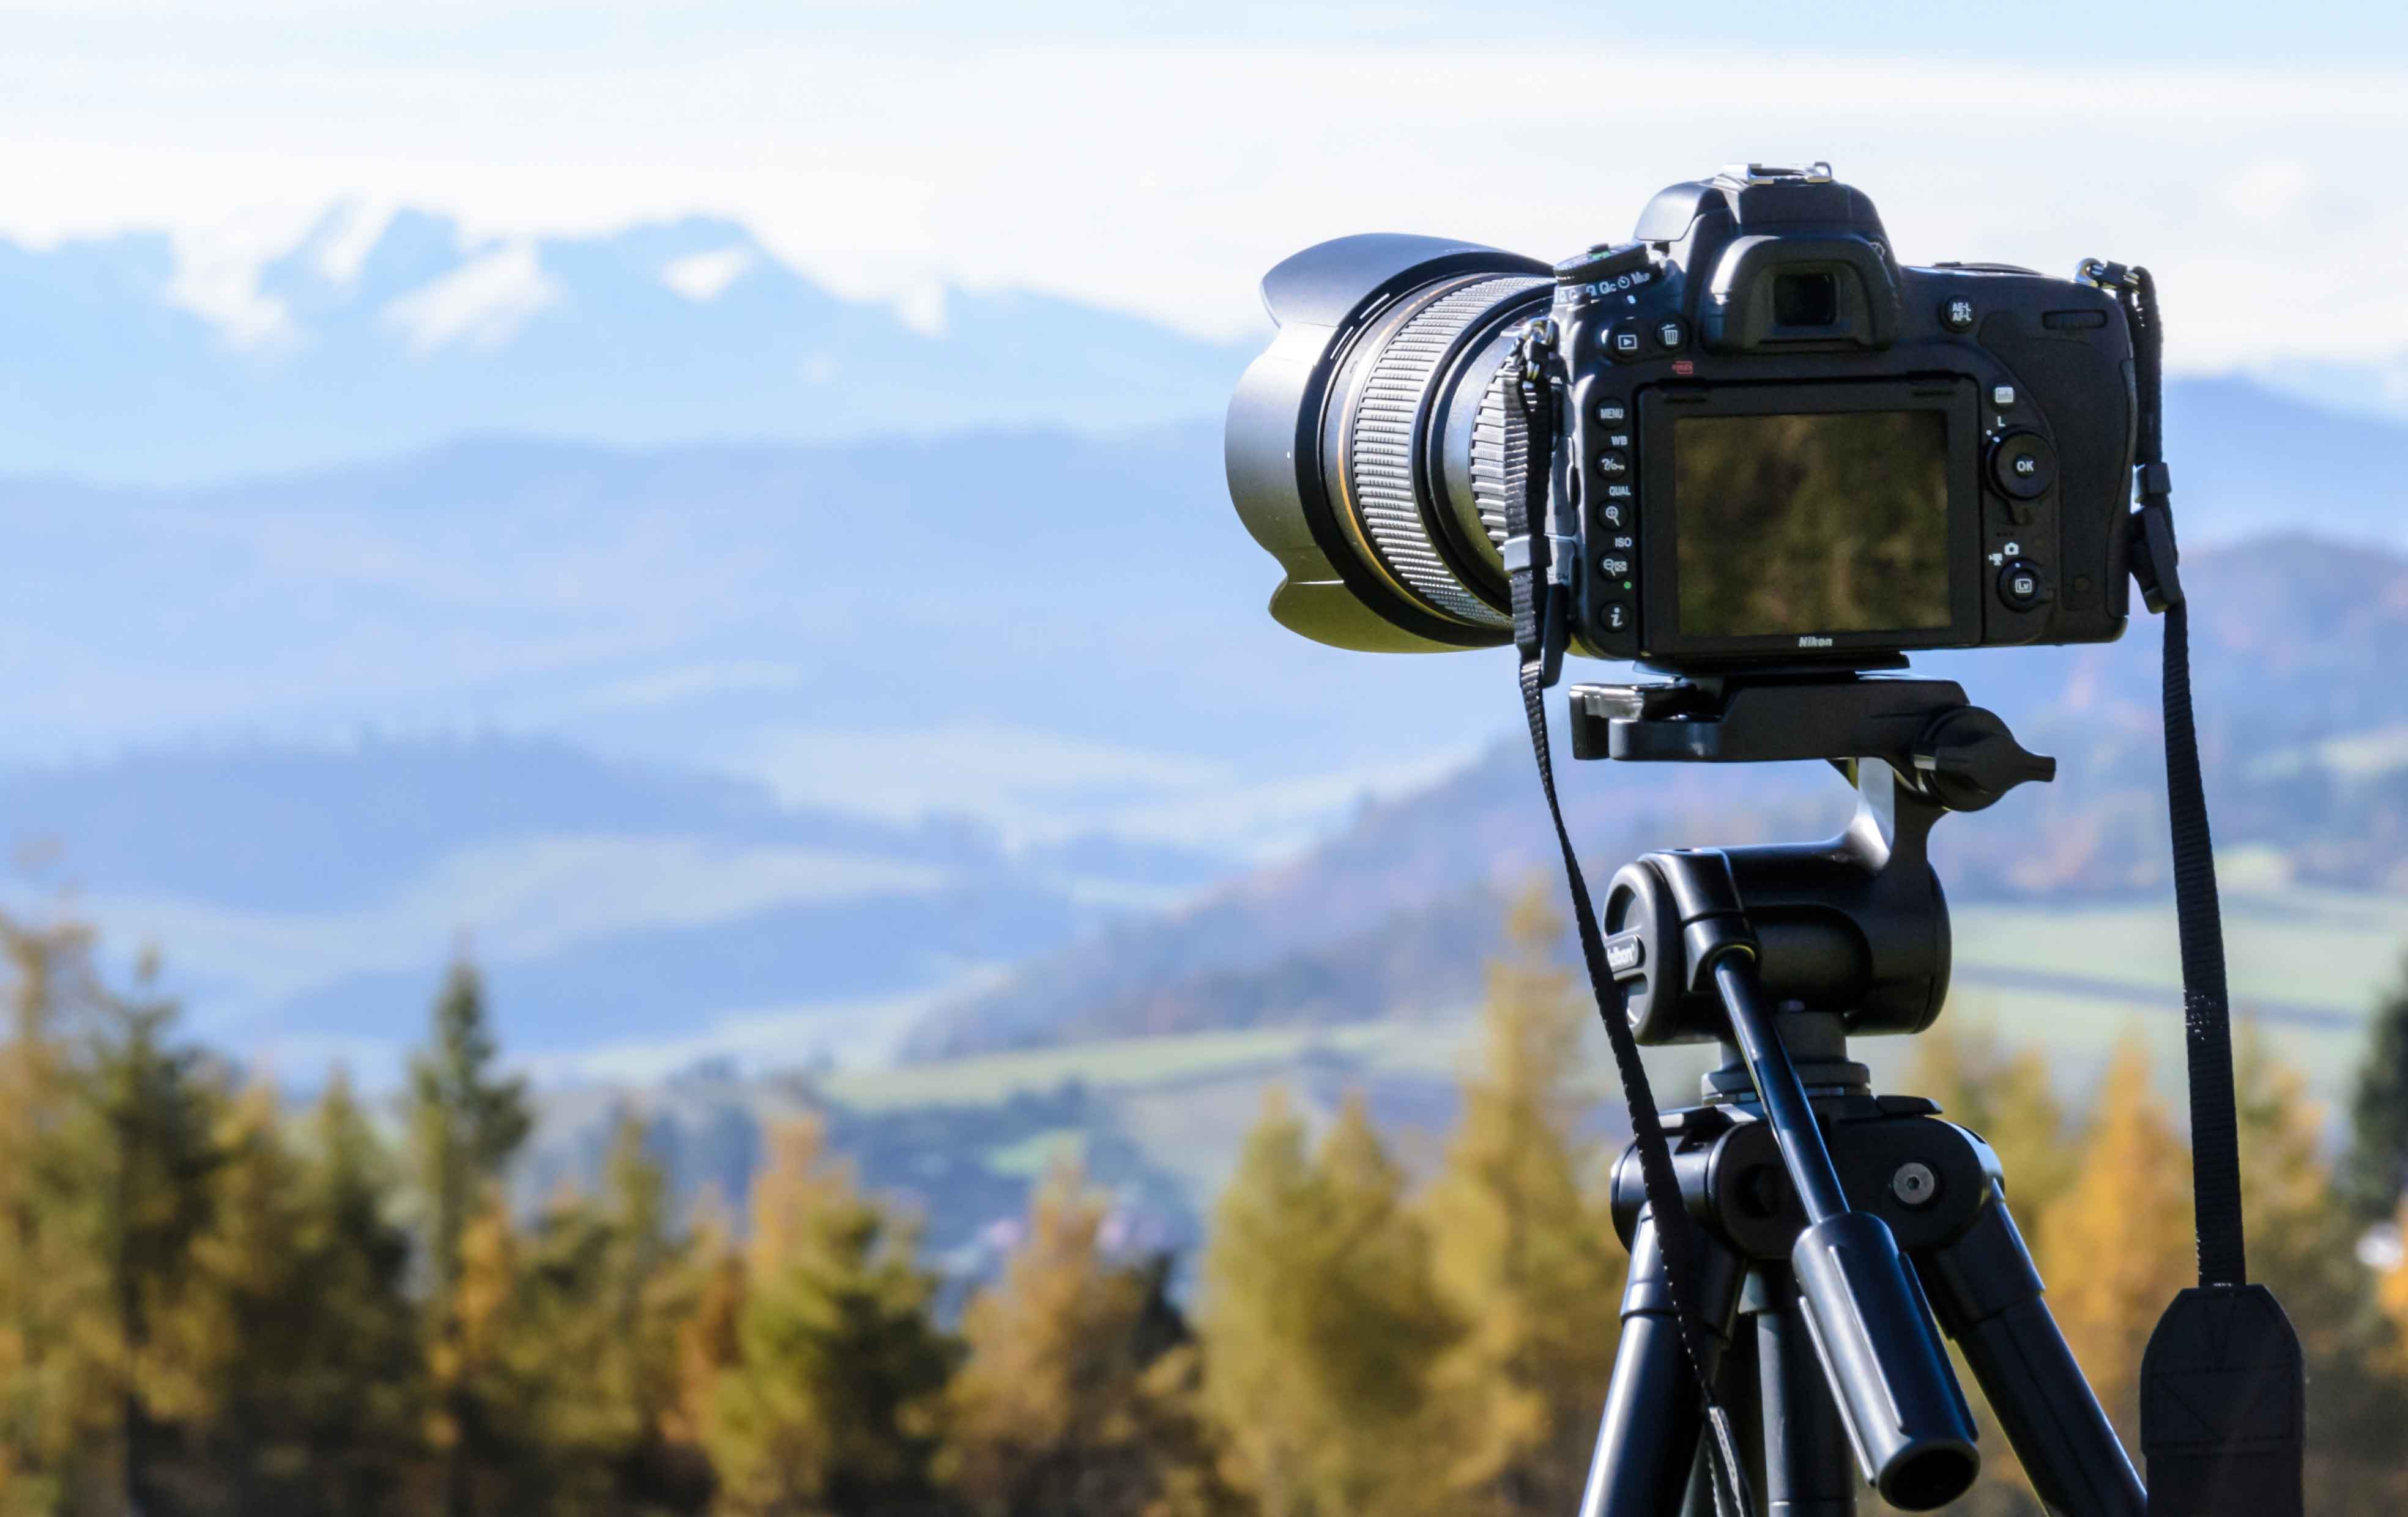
x: 378, y: 335
x: 526, y: 594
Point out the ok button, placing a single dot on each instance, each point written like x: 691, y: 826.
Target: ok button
x: 2023, y: 465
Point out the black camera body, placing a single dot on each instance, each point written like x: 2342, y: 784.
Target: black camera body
x: 1775, y: 445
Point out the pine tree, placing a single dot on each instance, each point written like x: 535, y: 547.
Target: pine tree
x: 831, y: 1405
x: 247, y: 1332
x: 466, y: 1123
x: 1321, y: 1325
x: 648, y: 1292
x: 360, y: 1388
x: 485, y: 1440
x: 1525, y: 1251
x: 709, y: 1343
x: 1043, y: 1420
x: 54, y: 1401
x: 2377, y: 1173
x: 145, y: 1145
x: 594, y: 1343
x: 2118, y: 1245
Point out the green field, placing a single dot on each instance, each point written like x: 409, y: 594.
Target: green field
x: 2074, y: 981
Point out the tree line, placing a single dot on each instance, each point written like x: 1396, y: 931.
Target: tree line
x: 211, y: 1305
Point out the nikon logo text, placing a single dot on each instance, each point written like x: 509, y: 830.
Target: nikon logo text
x: 1811, y: 642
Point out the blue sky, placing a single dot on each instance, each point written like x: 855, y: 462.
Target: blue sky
x: 1154, y: 159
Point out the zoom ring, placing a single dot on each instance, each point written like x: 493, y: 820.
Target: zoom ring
x: 1385, y: 443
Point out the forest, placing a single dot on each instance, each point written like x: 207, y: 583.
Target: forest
x: 212, y: 1302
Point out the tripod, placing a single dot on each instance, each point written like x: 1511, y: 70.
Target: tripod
x: 1837, y: 1231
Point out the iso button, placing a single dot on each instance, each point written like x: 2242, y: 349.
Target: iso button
x: 2023, y: 465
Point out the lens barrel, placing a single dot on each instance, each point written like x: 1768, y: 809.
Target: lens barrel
x: 1370, y: 448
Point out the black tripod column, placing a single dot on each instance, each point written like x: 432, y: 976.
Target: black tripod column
x: 1808, y: 1470
x: 1913, y: 1431
x: 1647, y: 1439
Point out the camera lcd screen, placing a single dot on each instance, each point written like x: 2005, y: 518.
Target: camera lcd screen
x: 1812, y: 522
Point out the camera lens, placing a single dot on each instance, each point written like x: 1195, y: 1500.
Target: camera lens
x: 1373, y: 448
x: 1805, y: 299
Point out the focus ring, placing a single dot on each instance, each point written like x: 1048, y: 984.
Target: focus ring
x: 1500, y: 463
x: 1383, y: 463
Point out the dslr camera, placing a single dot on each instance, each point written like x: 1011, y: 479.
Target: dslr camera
x: 1774, y: 444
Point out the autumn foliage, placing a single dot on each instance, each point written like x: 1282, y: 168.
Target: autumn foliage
x: 212, y: 1304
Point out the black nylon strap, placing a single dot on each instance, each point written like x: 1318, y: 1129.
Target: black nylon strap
x: 2207, y: 1017
x: 1539, y: 610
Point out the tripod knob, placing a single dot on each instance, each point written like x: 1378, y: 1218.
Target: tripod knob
x: 1967, y: 759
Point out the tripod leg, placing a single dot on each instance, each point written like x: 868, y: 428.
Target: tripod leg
x: 1809, y: 1469
x: 1988, y: 1296
x: 1735, y: 1386
x: 1648, y: 1436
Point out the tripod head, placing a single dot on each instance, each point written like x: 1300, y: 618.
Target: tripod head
x: 1857, y: 927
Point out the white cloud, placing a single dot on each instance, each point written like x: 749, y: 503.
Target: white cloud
x: 481, y: 303
x: 344, y: 245
x: 704, y: 276
x: 1161, y: 178
x: 217, y: 279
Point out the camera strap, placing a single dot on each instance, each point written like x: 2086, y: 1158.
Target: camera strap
x: 2207, y: 1016
x: 1539, y: 568
x: 2222, y: 1384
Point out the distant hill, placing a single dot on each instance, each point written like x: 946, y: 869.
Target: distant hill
x: 368, y: 338
x: 306, y: 899
x: 2305, y: 736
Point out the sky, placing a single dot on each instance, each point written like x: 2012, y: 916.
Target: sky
x: 1155, y: 158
